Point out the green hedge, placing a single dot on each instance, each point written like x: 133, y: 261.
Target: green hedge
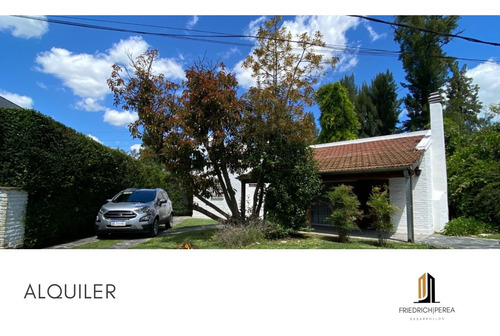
x: 67, y: 176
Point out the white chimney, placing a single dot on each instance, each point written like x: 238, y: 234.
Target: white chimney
x: 438, y: 164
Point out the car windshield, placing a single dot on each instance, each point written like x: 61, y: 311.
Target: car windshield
x: 140, y: 196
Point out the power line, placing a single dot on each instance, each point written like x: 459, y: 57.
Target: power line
x: 469, y: 39
x: 141, y: 32
x: 209, y: 36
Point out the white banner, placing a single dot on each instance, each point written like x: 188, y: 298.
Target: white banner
x: 251, y: 292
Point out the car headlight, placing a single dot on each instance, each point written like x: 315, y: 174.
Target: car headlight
x: 145, y: 218
x: 143, y: 209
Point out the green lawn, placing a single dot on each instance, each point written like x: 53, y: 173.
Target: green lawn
x: 197, y: 239
x: 100, y: 244
x: 187, y: 223
x: 204, y: 240
x: 194, y: 222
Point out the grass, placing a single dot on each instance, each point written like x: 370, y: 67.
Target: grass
x: 490, y: 236
x: 187, y: 223
x: 100, y: 244
x: 197, y: 239
x: 194, y: 222
x: 204, y: 240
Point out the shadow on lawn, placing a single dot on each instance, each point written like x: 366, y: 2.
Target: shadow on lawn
x: 335, y: 239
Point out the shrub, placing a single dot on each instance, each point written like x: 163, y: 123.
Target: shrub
x: 474, y: 176
x: 382, y: 210
x: 67, y: 175
x: 294, y: 182
x: 345, y: 212
x: 466, y: 226
x: 239, y: 235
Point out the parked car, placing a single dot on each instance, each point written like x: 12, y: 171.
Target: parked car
x: 135, y: 210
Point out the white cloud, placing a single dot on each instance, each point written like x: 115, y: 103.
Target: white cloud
x: 117, y: 118
x: 244, y: 75
x: 333, y: 28
x: 86, y: 74
x: 169, y: 68
x: 253, y: 27
x: 191, y: 23
x: 228, y: 53
x: 89, y: 104
x: 120, y: 52
x: 374, y: 36
x: 23, y: 101
x: 24, y: 28
x: 94, y: 138
x: 487, y: 76
x: 136, y: 148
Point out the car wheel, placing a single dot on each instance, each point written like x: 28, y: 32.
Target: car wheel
x: 170, y: 222
x: 155, y: 228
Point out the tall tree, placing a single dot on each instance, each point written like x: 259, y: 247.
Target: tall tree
x: 196, y: 134
x: 367, y: 113
x: 349, y: 84
x: 383, y: 93
x: 462, y: 104
x: 338, y: 120
x: 278, y: 130
x: 421, y: 39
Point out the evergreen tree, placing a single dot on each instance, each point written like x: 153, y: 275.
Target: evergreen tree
x: 338, y: 119
x: 462, y: 104
x: 386, y: 103
x: 367, y: 113
x: 352, y: 89
x: 424, y: 61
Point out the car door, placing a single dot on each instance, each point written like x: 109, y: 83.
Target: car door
x: 168, y: 205
x: 165, y: 208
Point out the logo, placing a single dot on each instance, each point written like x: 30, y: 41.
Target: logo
x: 426, y: 289
x: 425, y: 308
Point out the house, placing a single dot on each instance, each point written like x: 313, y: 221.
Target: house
x: 7, y: 103
x: 412, y: 165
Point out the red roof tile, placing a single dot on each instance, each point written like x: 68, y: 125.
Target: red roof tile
x: 386, y: 153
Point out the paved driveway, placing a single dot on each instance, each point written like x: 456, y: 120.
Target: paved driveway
x: 122, y: 245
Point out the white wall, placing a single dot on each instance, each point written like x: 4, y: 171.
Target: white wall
x: 438, y: 162
x: 424, y: 205
x: 12, y: 211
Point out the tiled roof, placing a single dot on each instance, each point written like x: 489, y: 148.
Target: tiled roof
x: 376, y: 154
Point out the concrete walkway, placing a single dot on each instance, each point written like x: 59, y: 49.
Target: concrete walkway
x: 459, y: 242
x: 435, y: 239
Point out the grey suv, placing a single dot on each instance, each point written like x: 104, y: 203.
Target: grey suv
x: 135, y: 210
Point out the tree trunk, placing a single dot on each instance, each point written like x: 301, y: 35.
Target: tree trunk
x: 206, y: 212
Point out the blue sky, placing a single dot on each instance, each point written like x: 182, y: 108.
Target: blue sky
x: 61, y: 70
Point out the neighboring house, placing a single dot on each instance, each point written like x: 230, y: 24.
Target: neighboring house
x: 412, y: 165
x: 244, y: 189
x: 7, y: 103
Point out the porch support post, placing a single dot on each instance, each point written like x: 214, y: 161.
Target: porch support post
x: 409, y: 205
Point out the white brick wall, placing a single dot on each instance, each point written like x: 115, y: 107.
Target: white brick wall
x: 12, y: 211
x: 422, y: 201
